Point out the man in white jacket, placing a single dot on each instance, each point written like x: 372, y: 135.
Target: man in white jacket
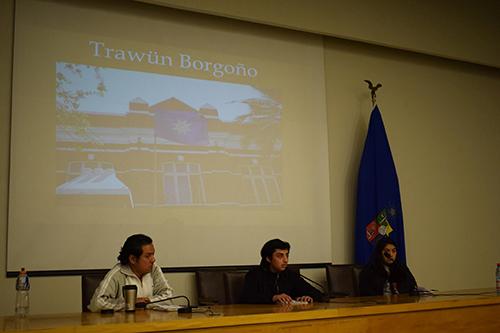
x: 137, y: 266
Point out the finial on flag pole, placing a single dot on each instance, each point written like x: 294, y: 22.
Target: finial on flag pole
x: 373, y: 90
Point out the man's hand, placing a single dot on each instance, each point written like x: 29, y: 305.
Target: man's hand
x: 282, y: 299
x: 307, y: 299
x: 142, y: 300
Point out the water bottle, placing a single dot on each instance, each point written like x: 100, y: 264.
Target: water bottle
x: 23, y: 293
x: 387, y: 288
x: 498, y: 278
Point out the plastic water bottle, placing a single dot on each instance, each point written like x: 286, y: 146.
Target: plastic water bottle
x: 387, y: 288
x: 23, y: 293
x: 498, y: 278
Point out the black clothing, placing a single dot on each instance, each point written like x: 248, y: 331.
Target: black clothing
x: 261, y: 285
x: 373, y: 278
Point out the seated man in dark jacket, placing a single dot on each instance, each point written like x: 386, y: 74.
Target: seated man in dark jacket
x: 272, y: 282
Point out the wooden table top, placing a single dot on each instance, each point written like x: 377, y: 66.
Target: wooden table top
x: 246, y: 314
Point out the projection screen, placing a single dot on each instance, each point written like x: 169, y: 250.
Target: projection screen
x: 207, y: 134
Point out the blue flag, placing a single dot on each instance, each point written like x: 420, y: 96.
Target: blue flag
x: 378, y: 212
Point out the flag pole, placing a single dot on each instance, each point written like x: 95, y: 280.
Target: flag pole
x: 373, y: 90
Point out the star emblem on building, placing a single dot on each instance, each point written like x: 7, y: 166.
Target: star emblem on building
x: 182, y: 127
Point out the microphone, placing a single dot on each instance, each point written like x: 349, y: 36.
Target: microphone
x: 414, y: 291
x: 185, y: 309
x: 325, y: 295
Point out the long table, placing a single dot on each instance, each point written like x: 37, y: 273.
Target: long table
x: 464, y: 311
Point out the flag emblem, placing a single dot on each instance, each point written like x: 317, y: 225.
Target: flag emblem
x: 181, y: 126
x: 379, y: 226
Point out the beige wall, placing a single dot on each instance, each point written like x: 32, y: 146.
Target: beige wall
x: 455, y: 29
x: 6, y: 30
x: 442, y: 120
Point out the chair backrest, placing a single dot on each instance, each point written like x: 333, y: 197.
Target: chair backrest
x: 343, y: 280
x: 233, y: 285
x: 210, y: 287
x: 356, y: 271
x: 90, y: 282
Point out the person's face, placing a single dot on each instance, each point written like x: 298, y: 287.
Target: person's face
x: 389, y: 254
x: 278, y: 261
x: 144, y: 263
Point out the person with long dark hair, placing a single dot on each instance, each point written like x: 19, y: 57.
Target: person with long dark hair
x: 385, y: 274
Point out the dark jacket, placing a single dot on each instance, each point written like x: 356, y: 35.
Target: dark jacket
x: 261, y: 285
x: 373, y: 277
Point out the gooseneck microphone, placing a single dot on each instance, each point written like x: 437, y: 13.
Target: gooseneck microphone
x: 326, y: 297
x: 185, y: 309
x: 313, y: 282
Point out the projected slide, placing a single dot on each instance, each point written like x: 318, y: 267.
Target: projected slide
x: 207, y: 134
x: 136, y: 139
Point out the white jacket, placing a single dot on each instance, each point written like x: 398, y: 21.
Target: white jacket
x: 109, y: 295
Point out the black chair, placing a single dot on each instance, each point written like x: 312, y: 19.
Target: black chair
x: 233, y: 286
x: 90, y: 282
x: 343, y: 280
x: 210, y: 287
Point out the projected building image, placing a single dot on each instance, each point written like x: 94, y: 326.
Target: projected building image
x: 135, y: 139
